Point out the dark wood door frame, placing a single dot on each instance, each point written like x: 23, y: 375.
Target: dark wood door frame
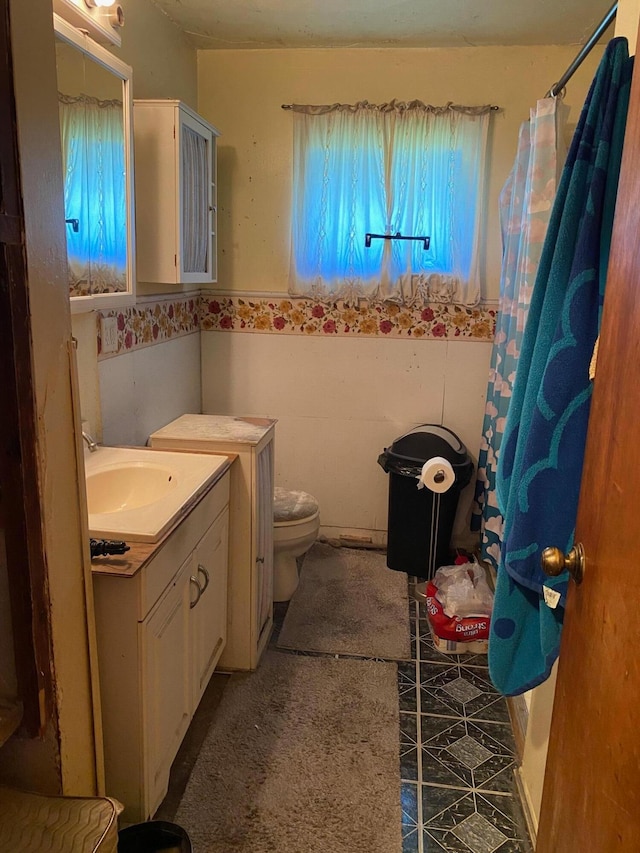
x: 20, y: 505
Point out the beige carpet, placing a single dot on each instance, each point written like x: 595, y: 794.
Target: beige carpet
x: 302, y: 757
x: 348, y: 602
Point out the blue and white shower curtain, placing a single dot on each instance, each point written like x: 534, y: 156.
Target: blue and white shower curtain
x: 525, y: 207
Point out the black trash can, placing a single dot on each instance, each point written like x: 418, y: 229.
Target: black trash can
x: 154, y: 836
x: 421, y: 521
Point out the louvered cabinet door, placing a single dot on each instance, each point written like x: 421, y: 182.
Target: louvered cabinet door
x: 209, y: 611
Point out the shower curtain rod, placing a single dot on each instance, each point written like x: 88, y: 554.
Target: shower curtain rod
x: 597, y: 34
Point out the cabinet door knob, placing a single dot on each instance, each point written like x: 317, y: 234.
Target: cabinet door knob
x: 202, y: 570
x: 194, y: 581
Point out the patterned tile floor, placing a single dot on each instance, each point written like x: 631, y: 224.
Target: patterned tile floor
x: 456, y: 753
x: 456, y: 750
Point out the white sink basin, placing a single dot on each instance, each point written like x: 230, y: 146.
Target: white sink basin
x: 137, y: 494
x: 128, y: 486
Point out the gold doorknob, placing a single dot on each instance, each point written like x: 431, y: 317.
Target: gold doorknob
x: 554, y: 562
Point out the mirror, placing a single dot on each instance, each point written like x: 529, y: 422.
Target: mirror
x: 94, y: 100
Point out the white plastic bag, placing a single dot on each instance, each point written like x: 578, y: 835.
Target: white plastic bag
x: 463, y: 590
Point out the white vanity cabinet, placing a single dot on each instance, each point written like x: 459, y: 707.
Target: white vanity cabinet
x: 176, y: 194
x: 161, y: 629
x: 250, y: 615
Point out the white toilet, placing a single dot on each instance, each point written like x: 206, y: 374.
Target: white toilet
x: 296, y: 521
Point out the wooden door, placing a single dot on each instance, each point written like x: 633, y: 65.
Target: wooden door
x: 591, y: 799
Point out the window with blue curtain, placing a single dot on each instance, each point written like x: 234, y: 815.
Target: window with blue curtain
x: 398, y: 168
x: 94, y: 168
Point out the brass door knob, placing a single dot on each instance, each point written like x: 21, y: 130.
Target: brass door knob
x: 554, y: 562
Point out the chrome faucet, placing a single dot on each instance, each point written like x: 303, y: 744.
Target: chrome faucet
x: 91, y: 444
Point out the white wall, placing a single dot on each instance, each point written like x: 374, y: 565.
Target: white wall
x: 340, y: 402
x: 161, y: 56
x: 145, y: 389
x: 536, y: 745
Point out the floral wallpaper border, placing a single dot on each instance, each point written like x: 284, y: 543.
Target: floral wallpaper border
x: 152, y: 323
x: 306, y: 317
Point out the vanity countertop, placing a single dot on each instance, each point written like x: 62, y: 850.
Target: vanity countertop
x: 139, y: 553
x: 239, y: 430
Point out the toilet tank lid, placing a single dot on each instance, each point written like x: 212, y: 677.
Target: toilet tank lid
x: 292, y: 506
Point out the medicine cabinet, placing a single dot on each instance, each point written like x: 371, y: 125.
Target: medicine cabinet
x: 95, y: 104
x: 176, y: 193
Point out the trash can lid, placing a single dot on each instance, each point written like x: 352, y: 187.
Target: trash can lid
x: 428, y: 440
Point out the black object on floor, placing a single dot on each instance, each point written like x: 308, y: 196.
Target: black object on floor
x: 154, y: 836
x: 420, y: 521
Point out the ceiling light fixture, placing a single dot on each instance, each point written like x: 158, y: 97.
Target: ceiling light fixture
x: 99, y: 3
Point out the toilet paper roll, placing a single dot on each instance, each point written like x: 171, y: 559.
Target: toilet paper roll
x: 437, y: 475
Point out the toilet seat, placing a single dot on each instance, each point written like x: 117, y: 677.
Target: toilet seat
x: 292, y: 507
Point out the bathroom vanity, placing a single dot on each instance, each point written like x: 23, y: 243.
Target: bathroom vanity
x: 251, y: 522
x: 161, y: 623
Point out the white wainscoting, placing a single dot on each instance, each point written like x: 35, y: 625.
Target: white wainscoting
x: 144, y: 389
x: 340, y: 402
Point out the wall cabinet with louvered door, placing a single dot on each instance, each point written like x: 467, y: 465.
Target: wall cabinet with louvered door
x: 176, y: 194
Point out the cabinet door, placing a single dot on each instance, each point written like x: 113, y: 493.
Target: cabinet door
x: 264, y: 538
x: 209, y: 614
x: 197, y: 187
x: 165, y: 644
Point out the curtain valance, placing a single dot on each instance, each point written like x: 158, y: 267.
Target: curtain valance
x: 393, y: 106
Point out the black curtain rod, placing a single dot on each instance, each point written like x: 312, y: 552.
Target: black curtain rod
x: 595, y: 37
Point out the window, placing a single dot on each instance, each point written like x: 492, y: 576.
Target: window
x: 94, y: 193
x: 407, y: 169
